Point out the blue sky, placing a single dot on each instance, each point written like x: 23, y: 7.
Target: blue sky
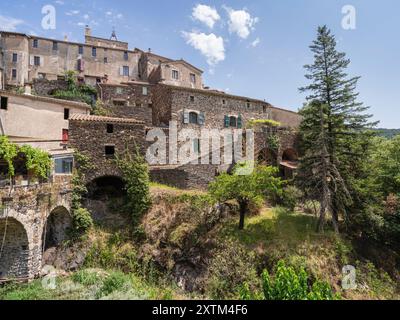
x: 251, y: 48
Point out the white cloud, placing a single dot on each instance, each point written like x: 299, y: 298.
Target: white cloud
x: 72, y: 12
x: 240, y: 22
x: 210, y: 45
x: 119, y: 16
x: 59, y: 2
x: 9, y: 23
x: 86, y: 16
x: 81, y: 24
x: 205, y: 14
x: 108, y: 13
x: 256, y: 42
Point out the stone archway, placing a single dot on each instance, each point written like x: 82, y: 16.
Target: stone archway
x: 55, y: 230
x: 289, y: 163
x: 14, y: 250
x: 105, y: 187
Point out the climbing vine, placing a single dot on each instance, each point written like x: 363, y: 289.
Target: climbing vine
x: 273, y: 141
x: 38, y: 161
x: 82, y: 220
x: 135, y: 173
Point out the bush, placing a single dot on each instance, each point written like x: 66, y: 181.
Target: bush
x: 231, y: 267
x: 291, y: 284
x: 85, y: 277
x: 115, y: 281
x: 290, y: 197
x: 82, y: 220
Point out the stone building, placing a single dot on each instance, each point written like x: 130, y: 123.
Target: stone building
x: 97, y: 60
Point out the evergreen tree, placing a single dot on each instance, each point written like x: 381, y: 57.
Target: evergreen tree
x: 334, y: 131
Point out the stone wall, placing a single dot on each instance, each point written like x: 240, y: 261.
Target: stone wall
x: 137, y: 105
x: 185, y: 177
x: 44, y: 87
x: 91, y: 138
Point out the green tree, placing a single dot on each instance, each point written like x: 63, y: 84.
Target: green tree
x: 335, y: 131
x: 246, y: 188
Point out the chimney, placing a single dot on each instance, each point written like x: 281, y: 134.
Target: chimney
x: 88, y: 31
x: 149, y: 50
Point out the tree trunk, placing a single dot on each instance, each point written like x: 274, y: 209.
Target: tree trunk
x: 243, y: 209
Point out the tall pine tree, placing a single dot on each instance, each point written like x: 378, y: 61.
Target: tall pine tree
x: 334, y: 131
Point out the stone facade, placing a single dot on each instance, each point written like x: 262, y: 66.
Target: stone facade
x: 128, y: 100
x: 90, y: 135
x: 24, y: 224
x: 98, y: 60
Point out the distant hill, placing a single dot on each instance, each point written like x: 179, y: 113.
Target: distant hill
x: 388, y: 133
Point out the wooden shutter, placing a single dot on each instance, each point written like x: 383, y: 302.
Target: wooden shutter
x: 226, y: 121
x: 185, y: 117
x: 201, y: 119
x: 239, y: 121
x: 121, y: 71
x: 31, y: 60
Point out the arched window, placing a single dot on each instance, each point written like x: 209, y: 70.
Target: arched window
x: 193, y: 117
x: 232, y: 121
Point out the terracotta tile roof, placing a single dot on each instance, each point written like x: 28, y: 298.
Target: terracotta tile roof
x: 87, y: 117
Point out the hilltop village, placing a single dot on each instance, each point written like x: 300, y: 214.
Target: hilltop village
x: 136, y: 91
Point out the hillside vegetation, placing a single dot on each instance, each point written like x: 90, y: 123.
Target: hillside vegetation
x: 194, y: 250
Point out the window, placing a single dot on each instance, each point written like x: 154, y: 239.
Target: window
x: 223, y: 101
x: 36, y: 61
x: 110, y: 128
x: 14, y: 73
x: 175, y: 74
x: 119, y: 103
x: 15, y: 57
x: 144, y: 91
x: 4, y: 103
x: 248, y: 104
x: 35, y: 43
x: 105, y: 60
x: 126, y: 55
x: 98, y: 80
x: 55, y: 45
x: 94, y: 52
x: 66, y: 113
x: 125, y: 71
x: 192, y: 78
x: 41, y: 75
x: 232, y: 121
x: 264, y: 109
x: 63, y: 165
x: 109, y: 151
x: 193, y: 117
x: 191, y: 99
x: 196, y: 145
x: 80, y: 50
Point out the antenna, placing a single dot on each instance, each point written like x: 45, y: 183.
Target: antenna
x: 113, y: 35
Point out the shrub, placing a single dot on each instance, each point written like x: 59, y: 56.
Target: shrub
x: 82, y: 220
x: 85, y: 277
x: 231, y: 266
x: 115, y: 281
x: 291, y: 284
x: 290, y: 197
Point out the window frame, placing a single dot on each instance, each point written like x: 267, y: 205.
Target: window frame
x: 35, y: 43
x: 109, y: 148
x: 125, y: 68
x: 175, y: 72
x: 193, y: 78
x: 14, y: 71
x: 55, y: 46
x: 230, y: 121
x: 110, y: 128
x: 69, y: 162
x: 35, y: 59
x: 193, y: 115
x: 94, y: 52
x: 15, y: 55
x: 66, y: 113
x: 80, y: 49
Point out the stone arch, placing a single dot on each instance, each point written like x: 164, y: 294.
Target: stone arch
x: 106, y: 186
x: 56, y: 227
x: 15, y: 254
x: 289, y: 155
